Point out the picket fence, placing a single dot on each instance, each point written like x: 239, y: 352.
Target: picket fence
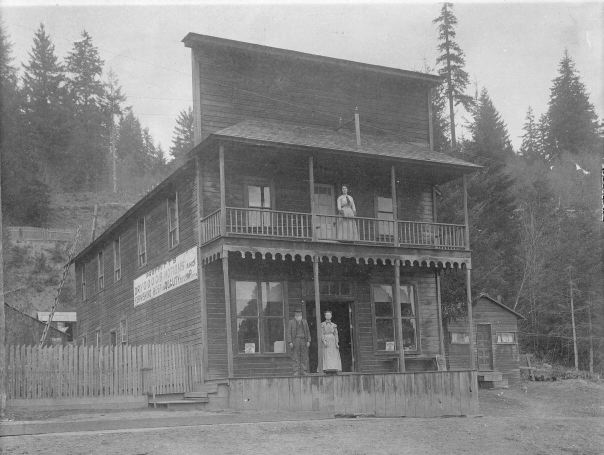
x: 71, y: 371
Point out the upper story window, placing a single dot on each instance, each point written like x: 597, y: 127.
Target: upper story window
x: 173, y: 220
x: 141, y: 233
x: 260, y: 316
x: 385, y: 321
x: 101, y: 270
x: 83, y: 281
x: 259, y: 197
x: 117, y: 260
x: 385, y: 212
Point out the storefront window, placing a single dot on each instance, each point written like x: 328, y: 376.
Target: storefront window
x: 260, y: 327
x: 385, y: 322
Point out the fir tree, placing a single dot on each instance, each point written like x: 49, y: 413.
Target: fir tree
x: 182, y: 137
x: 530, y: 148
x: 573, y: 122
x: 451, y: 60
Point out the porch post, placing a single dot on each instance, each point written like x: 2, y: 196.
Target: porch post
x: 466, y: 213
x: 315, y: 271
x: 222, y: 190
x: 311, y: 184
x: 201, y: 277
x: 468, y: 272
x: 227, y: 306
x: 394, y: 203
x: 470, y: 319
x: 439, y: 314
x: 398, y: 316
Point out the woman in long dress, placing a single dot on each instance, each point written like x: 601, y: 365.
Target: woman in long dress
x: 347, y: 226
x: 331, y: 353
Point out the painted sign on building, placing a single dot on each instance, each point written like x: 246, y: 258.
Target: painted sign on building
x: 165, y: 277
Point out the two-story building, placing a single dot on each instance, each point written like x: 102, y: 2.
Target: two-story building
x: 221, y: 252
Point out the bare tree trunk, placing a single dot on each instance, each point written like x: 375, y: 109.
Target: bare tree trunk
x: 572, y: 319
x: 2, y: 326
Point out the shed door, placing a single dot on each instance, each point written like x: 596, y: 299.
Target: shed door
x: 484, y: 347
x: 326, y: 210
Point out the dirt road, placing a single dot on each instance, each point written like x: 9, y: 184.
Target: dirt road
x: 550, y: 418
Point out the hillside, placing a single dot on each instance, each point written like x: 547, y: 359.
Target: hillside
x: 33, y: 269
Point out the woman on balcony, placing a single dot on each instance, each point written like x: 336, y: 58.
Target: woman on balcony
x: 347, y: 228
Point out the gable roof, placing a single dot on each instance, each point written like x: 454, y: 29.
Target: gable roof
x: 497, y: 302
x: 267, y: 132
x: 195, y: 39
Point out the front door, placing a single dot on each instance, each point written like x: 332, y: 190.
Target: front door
x: 325, y: 205
x: 341, y: 315
x: 484, y: 347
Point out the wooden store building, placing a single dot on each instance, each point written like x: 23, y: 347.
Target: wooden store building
x: 221, y: 252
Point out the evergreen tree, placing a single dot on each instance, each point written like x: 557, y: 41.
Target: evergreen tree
x: 440, y: 123
x: 530, y: 148
x: 25, y: 199
x: 182, y: 137
x: 89, y: 147
x: 573, y: 122
x: 451, y: 60
x: 45, y: 113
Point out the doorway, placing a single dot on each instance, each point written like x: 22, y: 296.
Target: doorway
x: 342, y: 316
x: 325, y: 205
x: 484, y: 347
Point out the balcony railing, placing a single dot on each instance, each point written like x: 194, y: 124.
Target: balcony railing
x: 249, y: 222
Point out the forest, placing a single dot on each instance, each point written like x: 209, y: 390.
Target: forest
x: 536, y: 213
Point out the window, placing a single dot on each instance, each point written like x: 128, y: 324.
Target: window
x: 385, y: 322
x: 385, y: 212
x: 123, y: 332
x: 83, y: 281
x: 97, y: 337
x: 260, y: 317
x: 506, y: 337
x: 142, y: 242
x: 258, y: 197
x: 460, y: 338
x: 101, y: 270
x: 173, y: 220
x: 117, y: 260
x: 113, y: 337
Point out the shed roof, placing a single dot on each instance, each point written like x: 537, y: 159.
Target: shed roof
x: 497, y: 302
x: 195, y: 39
x: 339, y: 140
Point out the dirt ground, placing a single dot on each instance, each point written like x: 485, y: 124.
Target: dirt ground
x: 564, y: 417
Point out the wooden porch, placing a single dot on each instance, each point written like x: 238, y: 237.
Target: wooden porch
x: 296, y: 226
x: 420, y: 394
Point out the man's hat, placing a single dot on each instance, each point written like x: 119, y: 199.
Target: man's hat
x: 298, y: 308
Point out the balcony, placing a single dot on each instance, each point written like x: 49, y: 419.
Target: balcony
x: 296, y: 226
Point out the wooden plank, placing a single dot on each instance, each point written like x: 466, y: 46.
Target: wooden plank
x: 456, y: 389
x: 380, y: 395
x: 410, y: 398
x: 305, y: 393
x: 400, y: 381
x: 338, y: 395
x: 295, y: 401
x: 367, y: 402
x: 327, y: 391
x: 390, y: 392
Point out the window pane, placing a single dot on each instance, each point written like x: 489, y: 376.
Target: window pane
x: 267, y: 197
x: 273, y: 335
x: 406, y: 294
x: 409, y: 335
x: 506, y: 337
x: 382, y: 293
x: 384, y: 333
x: 460, y: 338
x: 384, y: 204
x: 246, y: 293
x: 272, y: 299
x: 383, y: 309
x: 407, y: 309
x: 247, y: 335
x: 254, y: 196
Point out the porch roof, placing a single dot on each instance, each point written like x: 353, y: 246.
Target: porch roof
x: 267, y: 132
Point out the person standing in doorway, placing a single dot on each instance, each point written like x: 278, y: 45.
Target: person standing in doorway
x: 298, y: 340
x: 331, y: 345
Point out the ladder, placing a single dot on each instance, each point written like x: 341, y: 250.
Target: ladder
x: 60, y: 288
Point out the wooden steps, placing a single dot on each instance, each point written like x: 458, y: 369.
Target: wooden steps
x: 198, y: 398
x: 492, y: 380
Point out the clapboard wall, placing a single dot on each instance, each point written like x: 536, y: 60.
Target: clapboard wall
x: 172, y: 317
x: 234, y: 81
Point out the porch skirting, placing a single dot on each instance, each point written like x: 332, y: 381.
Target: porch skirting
x: 421, y: 394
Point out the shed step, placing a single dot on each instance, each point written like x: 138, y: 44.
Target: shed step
x: 178, y: 403
x: 207, y: 388
x: 196, y: 395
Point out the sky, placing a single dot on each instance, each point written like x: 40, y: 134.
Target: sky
x: 512, y: 49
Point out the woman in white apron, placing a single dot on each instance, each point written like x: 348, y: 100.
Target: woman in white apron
x: 331, y: 353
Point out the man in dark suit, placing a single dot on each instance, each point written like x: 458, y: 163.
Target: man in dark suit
x: 298, y: 340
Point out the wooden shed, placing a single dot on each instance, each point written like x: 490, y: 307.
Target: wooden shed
x: 496, y: 342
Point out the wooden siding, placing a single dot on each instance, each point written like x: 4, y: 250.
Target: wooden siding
x: 505, y: 356
x: 236, y: 84
x: 298, y: 276
x: 172, y: 317
x: 427, y: 394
